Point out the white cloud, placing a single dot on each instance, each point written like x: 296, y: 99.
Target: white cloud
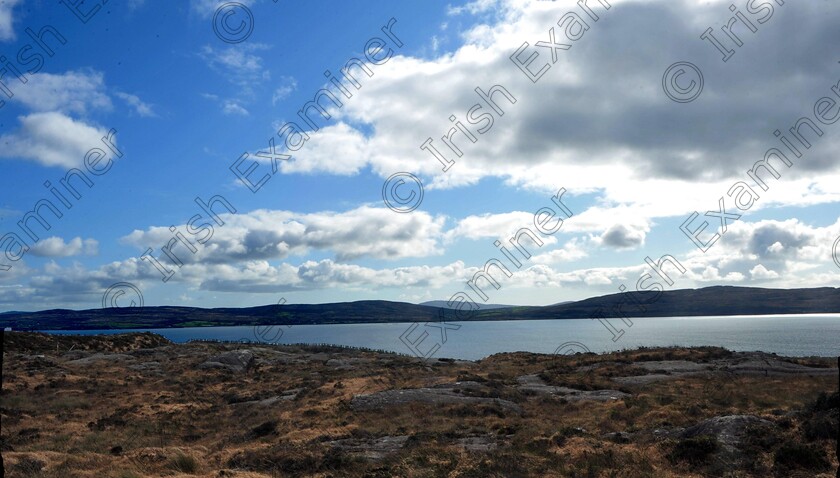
x: 287, y: 86
x: 264, y: 234
x: 231, y: 107
x: 71, y: 92
x: 776, y: 247
x: 51, y: 139
x: 56, y: 247
x: 788, y: 251
x: 135, y: 102
x: 572, y: 251
x: 622, y: 237
x: 328, y: 274
x: 759, y: 272
x: 75, y: 283
x: 493, y: 226
x: 7, y: 31
x: 241, y: 262
x: 242, y: 67
x: 239, y: 63
x: 336, y: 149
x: 474, y: 7
x: 619, y: 137
x: 206, y: 8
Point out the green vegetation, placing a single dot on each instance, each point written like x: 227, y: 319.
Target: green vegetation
x: 719, y: 300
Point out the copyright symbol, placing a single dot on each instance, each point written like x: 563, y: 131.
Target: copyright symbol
x: 834, y: 253
x: 571, y: 349
x: 402, y: 199
x: 682, y: 90
x: 113, y: 294
x: 228, y: 30
x: 721, y: 387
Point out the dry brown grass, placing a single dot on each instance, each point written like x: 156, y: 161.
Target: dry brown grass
x: 106, y: 420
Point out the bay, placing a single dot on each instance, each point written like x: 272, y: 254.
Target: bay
x: 788, y: 335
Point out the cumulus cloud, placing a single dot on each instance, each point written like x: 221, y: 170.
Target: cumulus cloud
x: 244, y: 263
x: 620, y: 236
x: 78, y: 92
x: 264, y: 234
x: 51, y: 139
x: 573, y: 250
x: 493, y: 226
x: 75, y: 283
x: 780, y: 250
x: 598, y: 118
x: 597, y: 123
x: 324, y: 274
x: 336, y: 149
x: 56, y: 247
x: 760, y: 272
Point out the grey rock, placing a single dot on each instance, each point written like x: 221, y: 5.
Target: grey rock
x: 646, y: 379
x: 235, y: 361
x: 534, y: 384
x: 729, y: 430
x: 743, y: 363
x: 100, y: 357
x: 348, y: 363
x: 672, y: 366
x: 478, y: 443
x: 146, y: 366
x: 75, y: 355
x: 373, y: 449
x: 437, y: 395
x: 288, y: 395
x: 619, y: 437
x: 662, y: 433
x: 768, y: 366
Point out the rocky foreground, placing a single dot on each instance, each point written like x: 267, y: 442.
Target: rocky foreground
x: 136, y: 405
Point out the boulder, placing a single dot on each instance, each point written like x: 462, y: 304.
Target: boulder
x: 619, y: 437
x: 534, y: 384
x: 372, y: 449
x: 735, y: 437
x: 235, y: 361
x: 101, y: 357
x: 454, y: 393
x: 729, y: 430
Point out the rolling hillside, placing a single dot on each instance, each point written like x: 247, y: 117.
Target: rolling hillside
x: 719, y: 300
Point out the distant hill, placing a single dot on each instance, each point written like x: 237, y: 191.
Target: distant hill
x: 444, y: 305
x: 166, y: 316
x: 719, y: 300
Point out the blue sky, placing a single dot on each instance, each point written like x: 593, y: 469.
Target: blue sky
x: 634, y: 163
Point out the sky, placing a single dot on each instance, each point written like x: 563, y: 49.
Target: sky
x: 325, y: 151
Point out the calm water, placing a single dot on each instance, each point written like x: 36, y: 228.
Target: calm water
x: 791, y: 335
